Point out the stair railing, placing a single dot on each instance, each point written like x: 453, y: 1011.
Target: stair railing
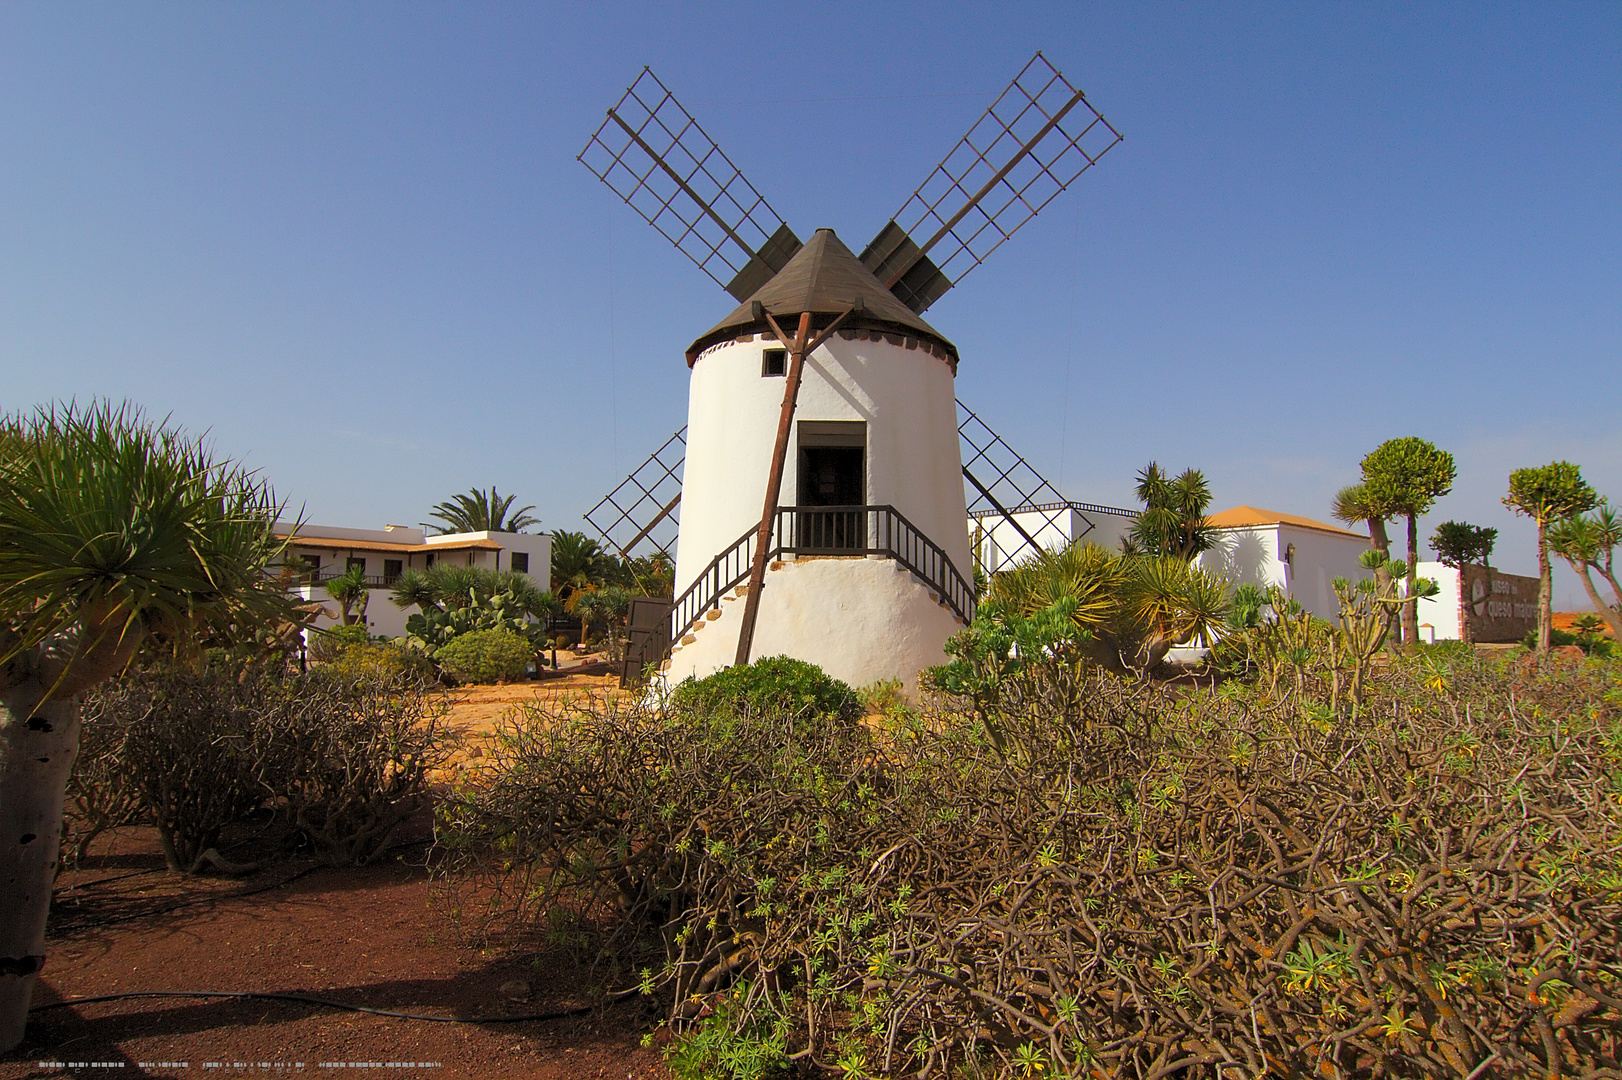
x: 828, y: 530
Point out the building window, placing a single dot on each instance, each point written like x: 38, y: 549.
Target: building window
x: 519, y: 562
x: 392, y: 569
x: 429, y: 560
x: 353, y: 563
x: 311, y: 565
x: 773, y: 362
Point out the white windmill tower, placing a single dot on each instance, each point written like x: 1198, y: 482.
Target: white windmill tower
x: 822, y: 506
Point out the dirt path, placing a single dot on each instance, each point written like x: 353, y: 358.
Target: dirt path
x: 476, y: 709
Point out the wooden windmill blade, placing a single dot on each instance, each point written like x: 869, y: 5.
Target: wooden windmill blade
x: 656, y: 157
x: 643, y: 511
x: 1032, y: 143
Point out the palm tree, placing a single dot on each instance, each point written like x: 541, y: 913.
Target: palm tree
x: 578, y: 565
x: 1586, y: 545
x: 1173, y: 520
x: 577, y: 561
x: 349, y: 589
x: 113, y: 532
x: 1133, y: 608
x: 607, y: 604
x: 414, y: 587
x: 481, y: 511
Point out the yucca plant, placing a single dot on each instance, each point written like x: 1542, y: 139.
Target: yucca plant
x: 114, y: 532
x: 349, y: 589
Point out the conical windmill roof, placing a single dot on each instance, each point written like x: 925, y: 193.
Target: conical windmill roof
x: 825, y: 279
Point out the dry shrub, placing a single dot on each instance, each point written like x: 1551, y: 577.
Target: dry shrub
x: 1161, y: 883
x: 197, y: 750
x: 102, y: 792
x: 356, y: 754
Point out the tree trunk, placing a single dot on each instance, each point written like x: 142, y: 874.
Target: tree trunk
x: 1382, y: 576
x: 1545, y: 587
x: 37, y: 746
x: 1410, y: 606
x: 1611, y: 615
x: 1616, y: 588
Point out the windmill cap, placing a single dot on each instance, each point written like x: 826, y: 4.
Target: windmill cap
x: 825, y: 279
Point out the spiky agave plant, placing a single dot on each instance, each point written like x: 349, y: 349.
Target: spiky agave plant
x: 1170, y: 601
x: 1134, y: 607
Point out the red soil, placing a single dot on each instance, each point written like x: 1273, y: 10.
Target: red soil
x: 367, y: 936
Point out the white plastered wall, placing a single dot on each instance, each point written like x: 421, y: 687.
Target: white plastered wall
x: 1441, y: 612
x: 1255, y: 555
x: 861, y: 620
x: 1002, y: 545
x: 383, y: 618
x: 907, y: 400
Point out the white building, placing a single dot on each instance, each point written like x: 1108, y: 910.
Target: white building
x: 323, y: 552
x: 870, y: 570
x: 1000, y: 542
x: 1301, y: 556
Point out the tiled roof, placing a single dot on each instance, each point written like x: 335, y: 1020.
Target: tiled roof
x: 1242, y: 517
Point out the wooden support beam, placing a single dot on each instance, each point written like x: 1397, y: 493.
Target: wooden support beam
x: 798, y: 349
x: 625, y: 552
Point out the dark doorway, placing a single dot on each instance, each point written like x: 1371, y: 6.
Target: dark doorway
x: 832, y: 476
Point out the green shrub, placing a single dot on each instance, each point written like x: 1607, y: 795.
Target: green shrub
x: 486, y: 656
x: 1451, y: 650
x: 380, y: 660
x: 352, y: 756
x: 1557, y: 637
x: 771, y: 686
x: 731, y: 1044
x: 193, y: 745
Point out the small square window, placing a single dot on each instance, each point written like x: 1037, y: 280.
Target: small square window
x: 773, y: 362
x: 355, y: 564
x: 392, y: 569
x: 520, y: 562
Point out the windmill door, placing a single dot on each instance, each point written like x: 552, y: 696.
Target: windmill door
x: 647, y: 638
x: 833, y: 487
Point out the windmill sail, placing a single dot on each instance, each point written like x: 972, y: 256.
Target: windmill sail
x: 1003, y: 486
x: 653, y: 154
x: 642, y: 512
x: 1032, y: 143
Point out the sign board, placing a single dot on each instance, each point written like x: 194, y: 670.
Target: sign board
x: 1495, y: 606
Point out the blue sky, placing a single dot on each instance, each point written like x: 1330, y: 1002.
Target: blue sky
x: 353, y: 242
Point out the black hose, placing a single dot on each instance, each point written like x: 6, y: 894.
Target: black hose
x: 309, y: 1000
